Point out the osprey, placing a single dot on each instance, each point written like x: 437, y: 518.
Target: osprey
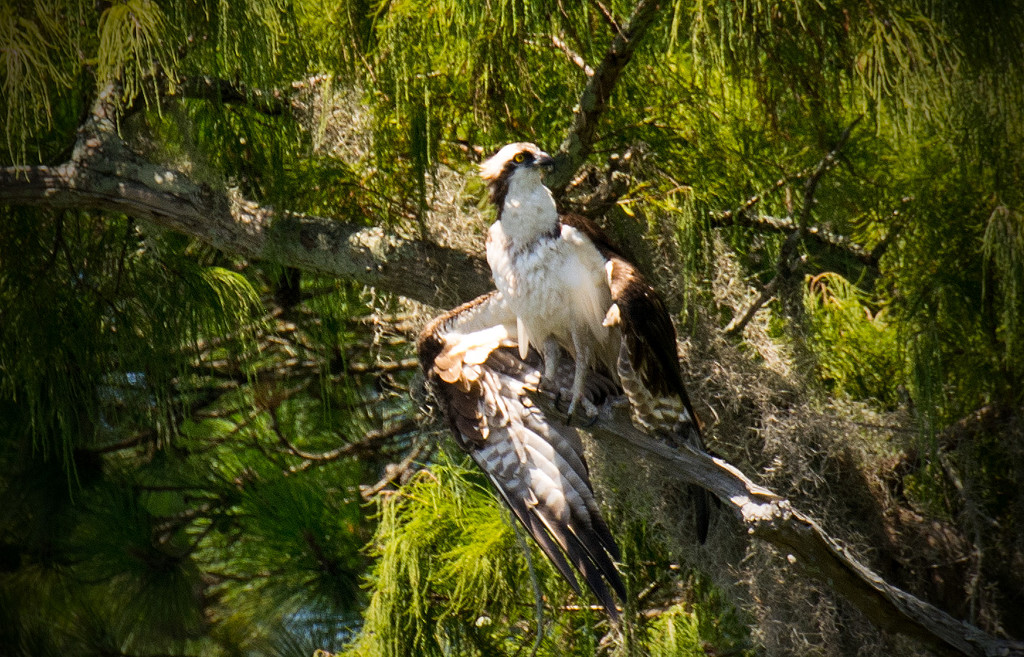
x: 561, y: 285
x: 570, y: 288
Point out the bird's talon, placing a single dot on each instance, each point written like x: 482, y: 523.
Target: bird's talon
x: 589, y: 414
x: 557, y: 393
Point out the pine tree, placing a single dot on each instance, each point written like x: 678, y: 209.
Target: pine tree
x: 220, y: 222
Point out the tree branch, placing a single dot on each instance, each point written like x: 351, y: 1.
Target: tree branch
x: 573, y: 56
x: 607, y: 15
x: 594, y: 99
x: 368, y: 444
x: 738, y: 323
x: 786, y: 225
x: 743, y: 215
x: 104, y: 174
x: 789, y: 262
x: 398, y: 471
x: 773, y: 519
x: 275, y: 102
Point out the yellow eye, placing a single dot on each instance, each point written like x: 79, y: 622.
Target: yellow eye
x: 519, y: 157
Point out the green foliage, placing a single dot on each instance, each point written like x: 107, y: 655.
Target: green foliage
x: 449, y: 578
x: 677, y: 635
x: 253, y: 41
x: 159, y: 403
x: 34, y: 59
x: 135, y: 41
x: 855, y: 351
x: 443, y: 539
x: 1003, y: 250
x: 109, y: 301
x: 151, y: 501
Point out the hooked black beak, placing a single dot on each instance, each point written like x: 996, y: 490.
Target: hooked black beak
x: 545, y: 162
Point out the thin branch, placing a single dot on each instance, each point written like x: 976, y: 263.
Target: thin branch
x: 743, y: 215
x: 789, y: 262
x: 613, y: 184
x: 130, y: 442
x: 275, y: 102
x: 811, y: 187
x: 607, y: 15
x: 572, y: 55
x: 739, y: 323
x: 770, y: 224
x: 398, y: 471
x: 368, y: 444
x: 384, y: 368
x: 593, y: 101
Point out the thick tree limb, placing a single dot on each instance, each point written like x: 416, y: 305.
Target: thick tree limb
x: 594, y: 99
x: 104, y: 174
x: 769, y: 517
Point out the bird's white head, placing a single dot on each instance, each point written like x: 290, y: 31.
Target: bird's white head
x: 521, y: 161
x: 515, y: 177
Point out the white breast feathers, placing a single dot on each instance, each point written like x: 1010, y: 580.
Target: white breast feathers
x: 557, y: 287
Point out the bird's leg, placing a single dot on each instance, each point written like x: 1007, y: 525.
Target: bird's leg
x: 584, y: 356
x: 551, y: 355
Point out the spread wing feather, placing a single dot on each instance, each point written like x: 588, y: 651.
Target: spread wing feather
x: 535, y: 462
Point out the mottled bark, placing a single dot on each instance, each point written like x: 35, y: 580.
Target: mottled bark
x: 769, y: 517
x: 104, y: 174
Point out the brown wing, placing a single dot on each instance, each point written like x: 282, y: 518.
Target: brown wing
x: 648, y: 368
x: 648, y: 365
x: 535, y: 462
x: 648, y: 335
x: 647, y: 330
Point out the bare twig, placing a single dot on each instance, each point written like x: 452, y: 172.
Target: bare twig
x: 739, y: 323
x: 811, y: 186
x: 819, y: 234
x: 789, y: 262
x: 368, y: 444
x: 384, y: 368
x: 607, y: 14
x: 742, y: 216
x: 275, y: 102
x: 134, y: 440
x: 397, y: 471
x: 572, y: 55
